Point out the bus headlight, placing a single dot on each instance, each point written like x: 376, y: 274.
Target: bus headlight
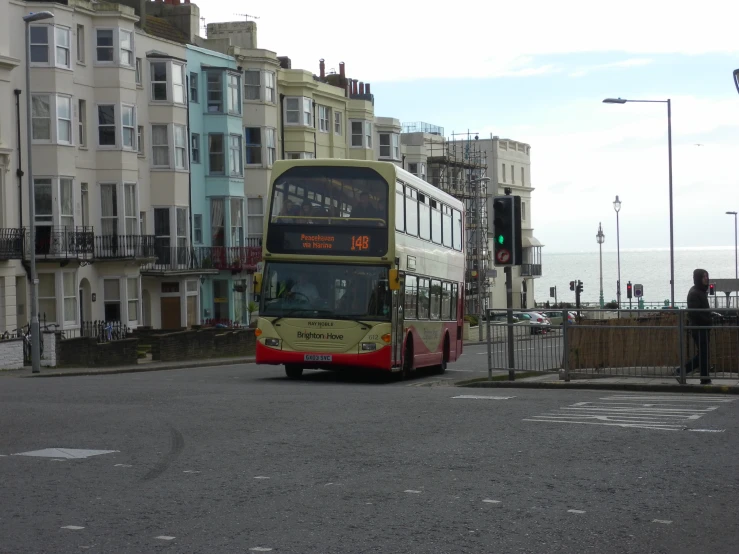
x: 272, y: 342
x: 369, y: 346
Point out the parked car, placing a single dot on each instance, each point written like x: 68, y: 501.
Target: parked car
x: 556, y: 318
x: 539, y: 324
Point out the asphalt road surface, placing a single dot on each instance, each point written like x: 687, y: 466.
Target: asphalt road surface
x: 240, y: 459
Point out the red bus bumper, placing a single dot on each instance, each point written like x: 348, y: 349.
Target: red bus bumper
x: 379, y: 359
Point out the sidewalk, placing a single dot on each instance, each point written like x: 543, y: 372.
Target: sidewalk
x: 141, y: 367
x: 657, y: 384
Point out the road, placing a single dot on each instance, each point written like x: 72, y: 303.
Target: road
x: 240, y: 459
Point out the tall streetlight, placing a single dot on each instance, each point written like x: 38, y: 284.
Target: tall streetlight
x: 35, y: 331
x: 669, y: 157
x: 736, y: 250
x: 601, y: 239
x: 479, y: 247
x: 617, y: 207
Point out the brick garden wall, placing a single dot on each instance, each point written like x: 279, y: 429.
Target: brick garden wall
x: 86, y: 352
x: 203, y: 344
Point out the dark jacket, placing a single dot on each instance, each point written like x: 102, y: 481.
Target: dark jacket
x: 698, y: 300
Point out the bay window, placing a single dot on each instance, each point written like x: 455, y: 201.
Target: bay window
x: 217, y: 222
x: 357, y: 137
x: 323, y: 119
x: 234, y: 93
x: 69, y: 292
x: 104, y: 46
x: 298, y: 111
x: 63, y: 47
x: 40, y: 44
x: 216, y: 154
x: 47, y: 297
x: 114, y: 46
x: 160, y: 146
x: 109, y: 209
x: 254, y: 217
x: 130, y: 209
x: 253, y: 145
x: 237, y: 221
x: 126, y: 54
x: 42, y: 108
x: 133, y: 298
x: 215, y: 91
x: 51, y: 46
x: 106, y: 125
x: 180, y: 147
x: 128, y: 125
x: 167, y: 80
x: 66, y: 203
x: 41, y: 117
x: 390, y: 146
x: 269, y: 139
x: 259, y: 85
x: 234, y: 148
x: 64, y: 119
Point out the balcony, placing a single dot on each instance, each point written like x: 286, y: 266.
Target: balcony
x: 61, y: 243
x: 171, y: 260
x: 124, y: 247
x: 11, y: 244
x: 530, y: 270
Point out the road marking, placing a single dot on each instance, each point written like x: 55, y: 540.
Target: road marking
x: 261, y: 477
x: 665, y: 521
x: 164, y: 538
x: 68, y: 453
x: 412, y: 491
x: 707, y: 430
x: 475, y: 397
x: 72, y: 527
x: 190, y: 471
x: 123, y: 465
x: 261, y: 549
x: 489, y: 501
x: 576, y: 511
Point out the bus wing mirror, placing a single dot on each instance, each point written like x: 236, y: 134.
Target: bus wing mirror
x: 394, y: 279
x: 257, y: 283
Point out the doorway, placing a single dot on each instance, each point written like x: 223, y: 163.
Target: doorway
x: 171, y: 318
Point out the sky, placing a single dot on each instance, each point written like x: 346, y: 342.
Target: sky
x: 537, y: 72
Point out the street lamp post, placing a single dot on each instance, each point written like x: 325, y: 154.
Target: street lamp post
x: 669, y: 158
x: 617, y: 207
x: 601, y: 239
x: 736, y: 254
x: 479, y: 247
x: 35, y: 330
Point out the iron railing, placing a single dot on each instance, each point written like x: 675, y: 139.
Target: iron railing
x: 531, y: 270
x: 103, y: 331
x: 111, y: 247
x: 61, y: 243
x: 204, y: 258
x: 11, y: 244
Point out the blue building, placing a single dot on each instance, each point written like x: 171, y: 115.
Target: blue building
x: 217, y: 189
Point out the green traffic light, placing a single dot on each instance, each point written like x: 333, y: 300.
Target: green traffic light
x: 501, y: 239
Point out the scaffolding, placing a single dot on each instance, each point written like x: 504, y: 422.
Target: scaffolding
x: 458, y: 166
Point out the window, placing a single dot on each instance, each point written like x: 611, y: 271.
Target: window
x: 323, y: 119
x: 81, y: 43
x: 216, y: 154
x: 356, y: 134
x: 448, y: 232
x: 82, y: 123
x: 396, y: 146
x: 142, y: 223
x: 159, y: 81
x: 104, y: 45
x: 66, y: 203
x: 503, y: 173
x: 138, y: 71
x: 269, y: 139
x: 424, y: 217
x: 85, y: 201
x: 181, y: 221
x: 423, y: 298
x: 385, y: 145
x: 292, y: 111
x: 64, y: 119
x: 399, y: 208
x: 411, y: 211
x: 40, y: 44
x: 178, y: 83
x: 411, y: 298
x: 254, y: 216
x: 253, y: 145
x: 140, y: 140
x: 160, y: 145
x: 457, y: 229
x: 368, y: 134
x: 109, y: 209
x: 195, y: 148
x: 215, y: 92
x: 180, y: 147
x: 269, y: 87
x: 162, y: 233
x: 63, y: 47
x: 69, y: 289
x: 217, y: 222
x: 130, y: 209
x: 435, y: 222
x: 454, y: 301
x: 106, y: 125
x: 126, y: 40
x: 112, y: 299
x: 337, y: 123
x: 523, y: 174
x: 294, y: 106
x: 523, y: 210
x: 446, y: 295
x: 133, y: 298
x: 234, y: 93
x: 128, y: 126
x: 413, y: 168
x: 40, y: 117
x: 197, y: 228
x: 47, y: 297
x: 194, y: 87
x: 435, y: 299
x: 234, y: 154
x: 307, y: 112
x: 252, y: 84
x: 237, y: 222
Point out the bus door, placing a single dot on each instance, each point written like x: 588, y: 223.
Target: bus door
x: 397, y: 325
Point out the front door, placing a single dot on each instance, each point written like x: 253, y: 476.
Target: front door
x: 397, y: 325
x: 171, y: 315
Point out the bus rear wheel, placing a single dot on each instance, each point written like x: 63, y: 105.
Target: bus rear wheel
x: 293, y: 371
x: 441, y: 368
x: 407, y: 370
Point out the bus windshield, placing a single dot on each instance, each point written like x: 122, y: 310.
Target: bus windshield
x: 326, y: 195
x: 326, y: 291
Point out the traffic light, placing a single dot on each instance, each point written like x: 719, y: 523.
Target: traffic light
x: 579, y: 287
x: 572, y: 285
x: 508, y: 249
x: 711, y: 289
x: 628, y: 290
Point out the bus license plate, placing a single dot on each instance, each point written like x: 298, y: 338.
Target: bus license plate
x: 317, y: 358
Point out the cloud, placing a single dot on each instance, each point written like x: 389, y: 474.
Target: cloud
x: 634, y: 62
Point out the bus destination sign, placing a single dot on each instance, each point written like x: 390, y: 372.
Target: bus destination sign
x: 328, y: 242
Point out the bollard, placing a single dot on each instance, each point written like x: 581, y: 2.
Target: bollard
x: 566, y: 345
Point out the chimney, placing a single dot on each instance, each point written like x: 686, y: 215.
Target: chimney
x: 342, y: 70
x: 322, y: 65
x: 142, y: 14
x: 367, y: 88
x: 354, y: 86
x: 361, y: 88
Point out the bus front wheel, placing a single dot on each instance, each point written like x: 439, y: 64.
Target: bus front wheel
x: 293, y: 371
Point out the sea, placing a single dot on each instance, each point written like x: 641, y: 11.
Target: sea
x: 647, y: 267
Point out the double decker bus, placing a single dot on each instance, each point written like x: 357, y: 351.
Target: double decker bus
x: 356, y: 276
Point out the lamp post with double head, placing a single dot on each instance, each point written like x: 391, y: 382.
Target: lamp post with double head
x: 35, y: 331
x: 617, y: 208
x: 601, y: 238
x: 669, y: 161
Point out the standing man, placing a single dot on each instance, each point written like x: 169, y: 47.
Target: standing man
x: 699, y: 323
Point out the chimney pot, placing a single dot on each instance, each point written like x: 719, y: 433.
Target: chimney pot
x: 322, y: 65
x: 361, y: 88
x: 367, y: 88
x: 342, y: 70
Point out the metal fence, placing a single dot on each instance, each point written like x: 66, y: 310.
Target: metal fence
x: 101, y: 331
x: 697, y: 344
